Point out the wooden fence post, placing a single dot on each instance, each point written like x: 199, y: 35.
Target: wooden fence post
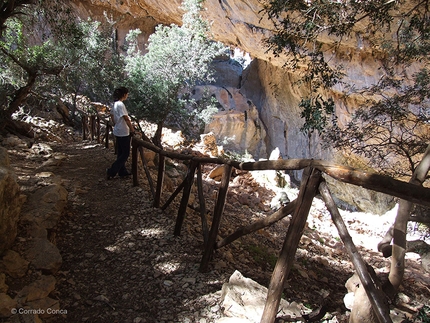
x: 185, y: 197
x: 219, y: 209
x: 98, y: 129
x: 92, y: 126
x: 308, y: 189
x: 148, y: 174
x: 160, y: 179
x: 84, y: 127
x: 202, y: 203
x: 376, y: 296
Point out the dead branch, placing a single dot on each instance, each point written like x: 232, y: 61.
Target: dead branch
x: 260, y: 224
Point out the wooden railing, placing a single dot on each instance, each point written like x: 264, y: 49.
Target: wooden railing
x: 91, y: 129
x: 312, y: 183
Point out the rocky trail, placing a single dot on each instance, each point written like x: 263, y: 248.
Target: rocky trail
x: 122, y: 263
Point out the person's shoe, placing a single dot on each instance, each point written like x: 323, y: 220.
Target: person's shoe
x: 108, y: 176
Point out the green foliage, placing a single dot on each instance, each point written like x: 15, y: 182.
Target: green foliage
x: 95, y: 68
x: 46, y: 50
x: 197, y: 115
x: 393, y: 134
x: 316, y: 111
x: 176, y: 59
x: 424, y: 314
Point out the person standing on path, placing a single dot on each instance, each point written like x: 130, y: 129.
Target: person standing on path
x: 123, y: 130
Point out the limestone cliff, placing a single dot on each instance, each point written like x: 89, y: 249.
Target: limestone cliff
x: 270, y: 88
x: 260, y: 110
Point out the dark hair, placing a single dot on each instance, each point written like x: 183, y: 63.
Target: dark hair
x: 119, y: 93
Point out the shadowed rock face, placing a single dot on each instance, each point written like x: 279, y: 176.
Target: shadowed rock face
x: 235, y: 23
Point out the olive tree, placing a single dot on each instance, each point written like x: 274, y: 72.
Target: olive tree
x: 47, y: 51
x: 96, y: 68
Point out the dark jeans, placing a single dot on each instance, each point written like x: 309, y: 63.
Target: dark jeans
x: 123, y: 151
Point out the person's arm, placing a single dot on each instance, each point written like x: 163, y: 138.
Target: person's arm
x: 128, y: 122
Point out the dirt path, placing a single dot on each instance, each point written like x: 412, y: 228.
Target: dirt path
x: 121, y: 262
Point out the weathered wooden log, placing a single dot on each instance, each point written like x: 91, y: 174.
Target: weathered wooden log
x: 98, y: 129
x: 375, y: 295
x: 372, y: 181
x: 92, y: 127
x: 202, y: 203
x: 185, y: 198
x: 216, y: 220
x: 257, y: 225
x: 107, y: 136
x: 308, y: 189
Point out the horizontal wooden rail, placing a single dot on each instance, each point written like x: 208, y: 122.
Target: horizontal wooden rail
x: 345, y: 174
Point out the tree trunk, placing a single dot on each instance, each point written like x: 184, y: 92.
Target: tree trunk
x: 22, y: 94
x: 157, y: 136
x: 399, y: 230
x: 19, y: 98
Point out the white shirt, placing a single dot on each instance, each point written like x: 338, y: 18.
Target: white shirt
x: 120, y: 128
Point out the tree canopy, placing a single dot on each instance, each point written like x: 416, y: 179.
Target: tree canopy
x: 391, y: 126
x: 46, y: 50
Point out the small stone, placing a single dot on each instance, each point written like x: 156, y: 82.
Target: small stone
x: 190, y: 280
x: 168, y: 283
x: 215, y: 308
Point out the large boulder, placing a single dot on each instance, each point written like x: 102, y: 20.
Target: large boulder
x: 243, y: 300
x: 44, y: 255
x: 45, y: 206
x: 10, y: 202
